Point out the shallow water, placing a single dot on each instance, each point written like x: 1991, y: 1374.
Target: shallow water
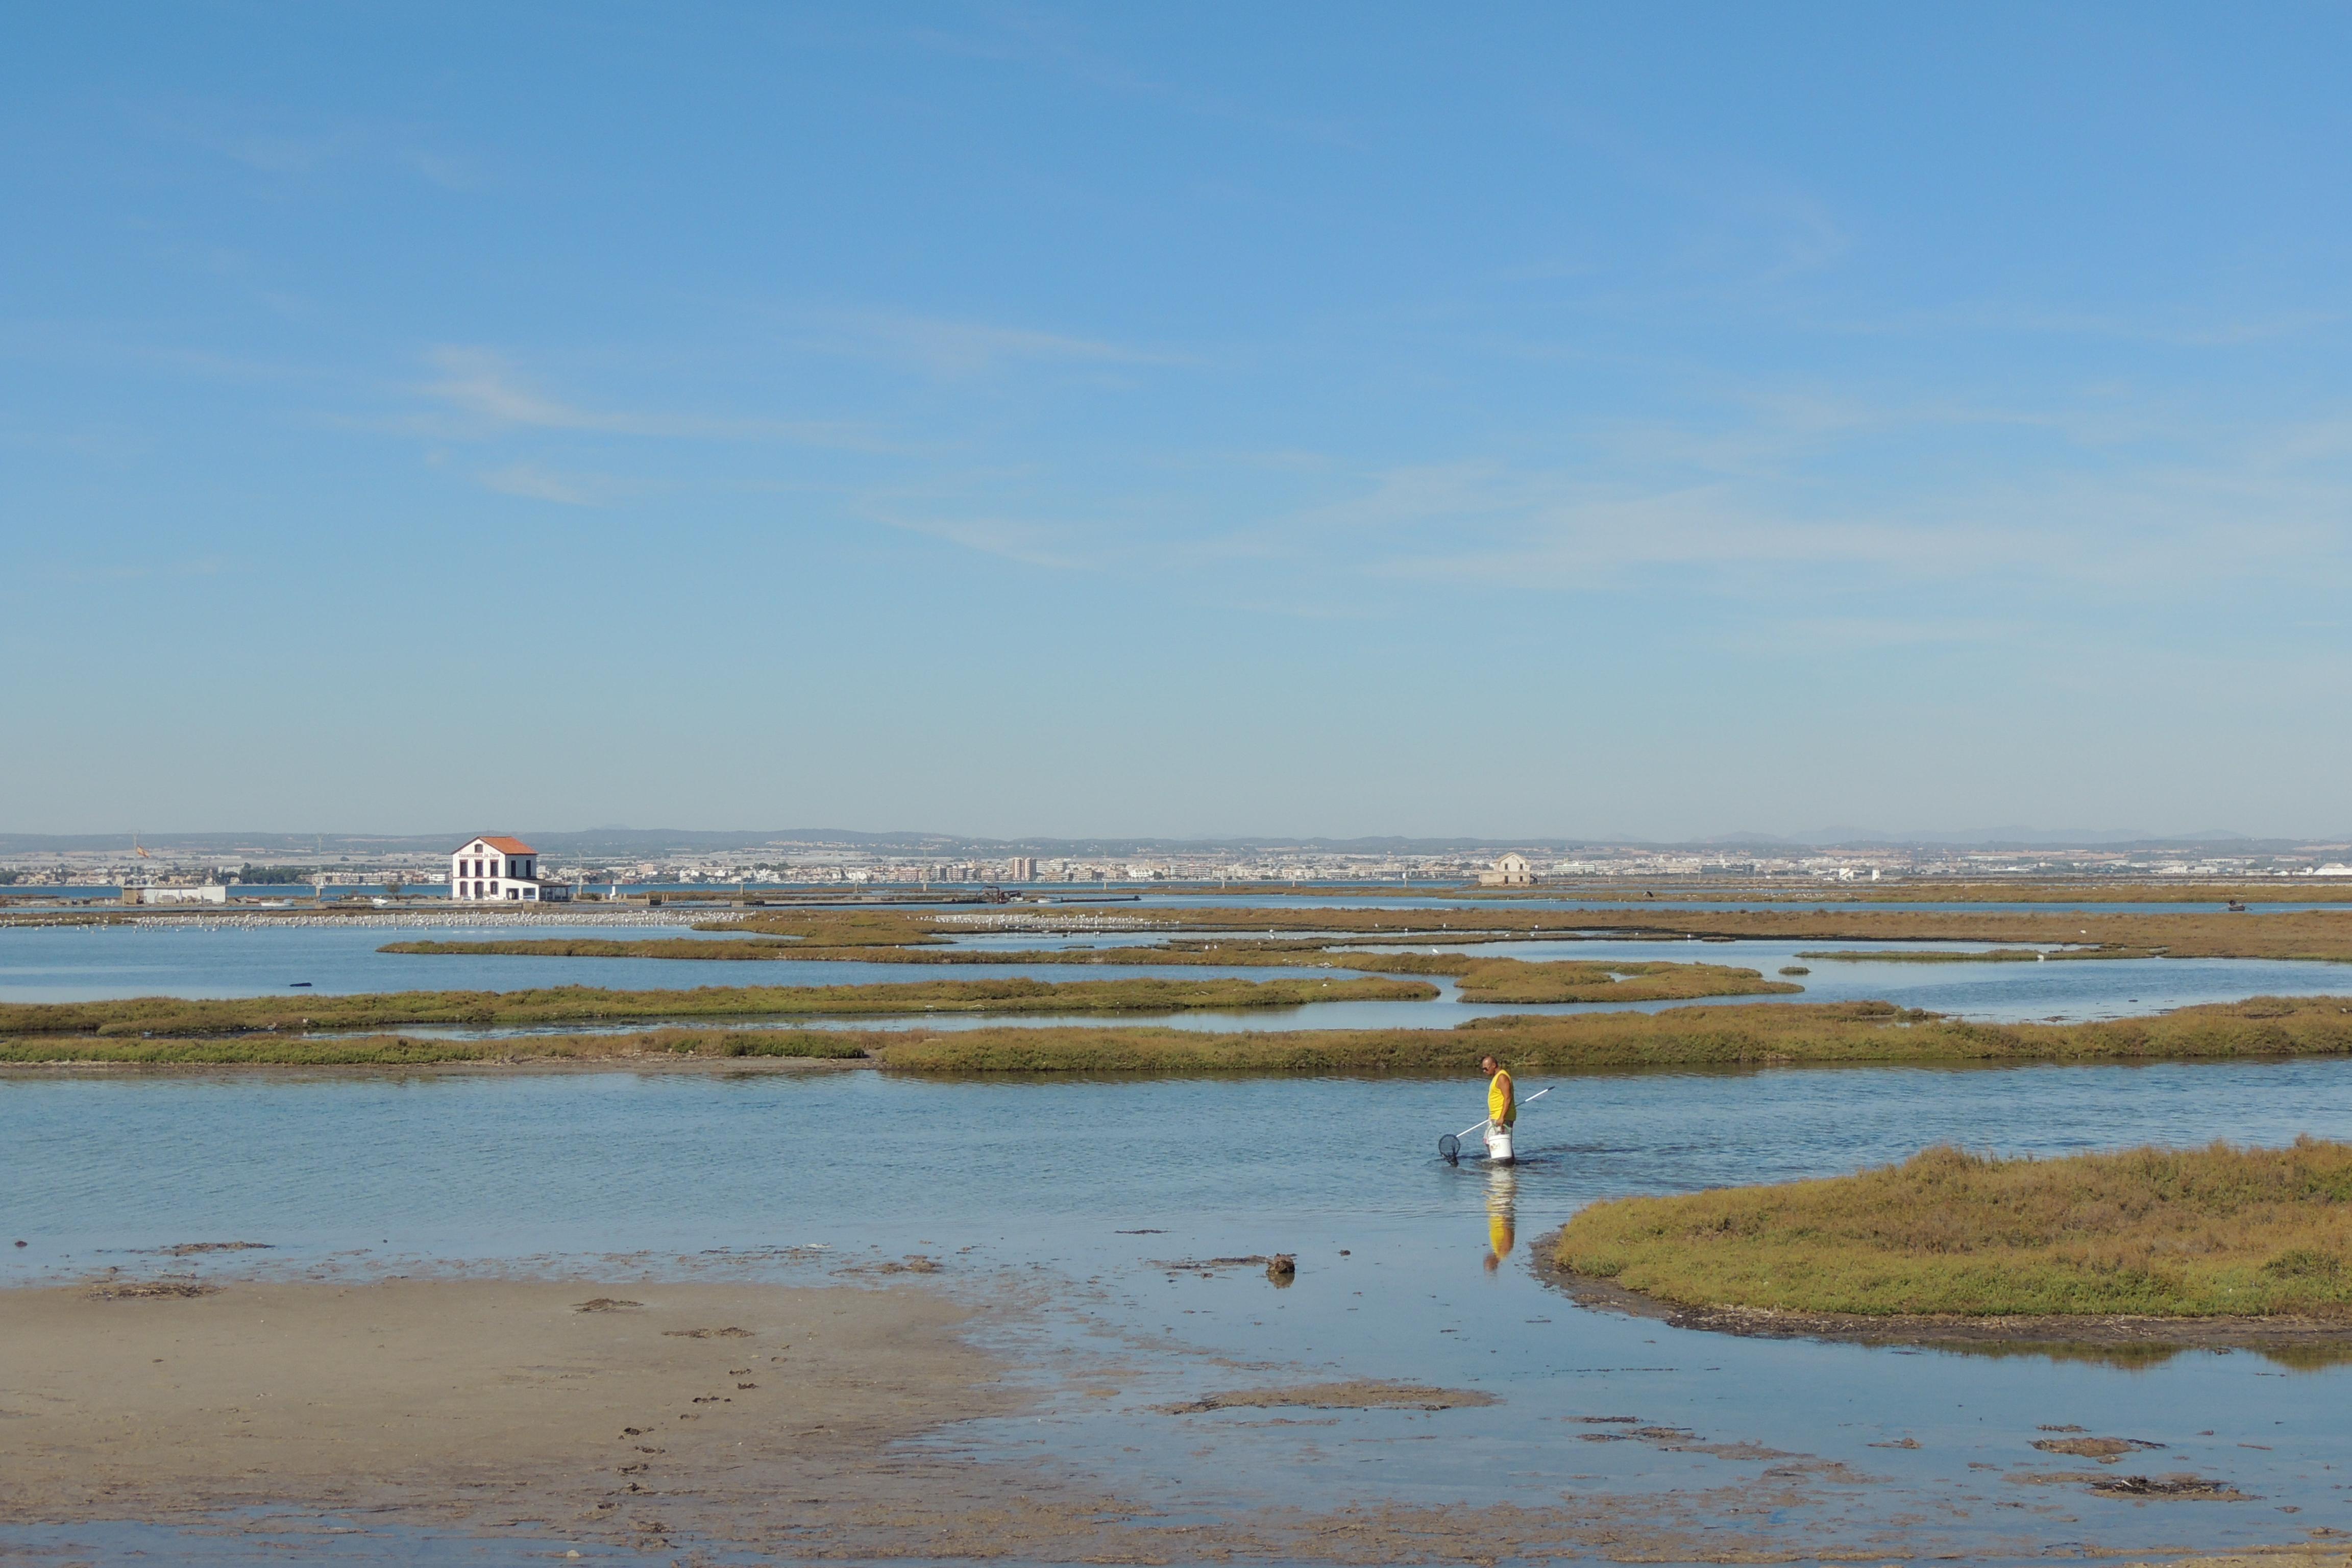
x: 1788, y: 902
x: 90, y: 964
x: 77, y: 964
x: 625, y: 1175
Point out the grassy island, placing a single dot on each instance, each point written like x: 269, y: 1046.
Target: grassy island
x: 1730, y: 1035
x: 888, y: 935
x: 654, y: 1046
x: 2164, y: 1233
x: 2312, y: 934
x: 1511, y: 981
x: 156, y: 1016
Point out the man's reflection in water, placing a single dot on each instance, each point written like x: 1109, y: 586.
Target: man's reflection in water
x: 1502, y: 1215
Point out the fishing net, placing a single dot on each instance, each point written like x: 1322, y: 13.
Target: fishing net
x: 1449, y: 1149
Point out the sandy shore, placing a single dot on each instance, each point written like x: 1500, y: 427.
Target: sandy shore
x: 480, y: 1401
x: 792, y: 1421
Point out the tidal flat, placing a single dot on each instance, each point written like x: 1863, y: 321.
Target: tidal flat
x: 581, y: 1403
x: 1068, y: 1233
x: 1073, y: 1198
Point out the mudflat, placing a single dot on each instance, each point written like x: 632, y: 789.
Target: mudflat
x: 770, y: 1418
x: 601, y: 1409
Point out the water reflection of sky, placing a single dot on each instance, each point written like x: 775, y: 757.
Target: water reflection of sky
x: 97, y: 963
x: 1081, y: 1190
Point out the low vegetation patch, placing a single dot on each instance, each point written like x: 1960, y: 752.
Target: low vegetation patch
x: 1731, y: 1036
x: 164, y: 1016
x: 1515, y: 981
x: 407, y: 1051
x: 1483, y: 978
x: 1782, y: 1034
x: 2215, y: 1232
x: 2312, y: 934
x: 877, y: 935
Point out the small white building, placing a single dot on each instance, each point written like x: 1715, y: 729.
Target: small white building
x: 1513, y: 871
x: 210, y: 893
x: 504, y: 870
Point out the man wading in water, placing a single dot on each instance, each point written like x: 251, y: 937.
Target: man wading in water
x: 1502, y: 1107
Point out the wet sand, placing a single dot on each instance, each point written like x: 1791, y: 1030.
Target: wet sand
x: 795, y: 1420
x: 483, y: 1401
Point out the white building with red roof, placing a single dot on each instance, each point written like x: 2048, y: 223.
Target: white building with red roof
x: 501, y: 871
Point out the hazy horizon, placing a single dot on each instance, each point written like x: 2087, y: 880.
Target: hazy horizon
x: 2021, y: 836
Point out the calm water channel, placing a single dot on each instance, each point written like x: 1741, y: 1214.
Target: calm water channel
x: 77, y: 964
x: 1077, y: 1192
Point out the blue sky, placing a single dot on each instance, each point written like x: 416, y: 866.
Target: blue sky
x: 1315, y: 419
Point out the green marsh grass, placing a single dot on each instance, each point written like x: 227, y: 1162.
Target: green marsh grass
x: 396, y: 1050
x: 164, y: 1016
x: 1483, y: 978
x: 1732, y: 1036
x: 2215, y: 1232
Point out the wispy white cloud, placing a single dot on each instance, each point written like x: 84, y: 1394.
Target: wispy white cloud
x: 2172, y: 532
x: 949, y: 348
x: 2176, y: 326
x: 536, y: 483
x: 290, y: 148
x: 1030, y: 39
x: 1028, y: 542
x: 1852, y: 634
x: 487, y: 390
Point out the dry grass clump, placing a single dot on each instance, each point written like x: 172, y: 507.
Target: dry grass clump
x: 2221, y: 1231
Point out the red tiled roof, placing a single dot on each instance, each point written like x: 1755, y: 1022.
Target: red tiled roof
x: 509, y: 846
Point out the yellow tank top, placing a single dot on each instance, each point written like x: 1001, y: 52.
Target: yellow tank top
x: 1502, y: 1103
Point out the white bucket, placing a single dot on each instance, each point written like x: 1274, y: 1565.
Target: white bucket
x: 1498, y: 1143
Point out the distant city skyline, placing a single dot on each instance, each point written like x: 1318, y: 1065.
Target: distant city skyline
x: 623, y: 841
x: 1645, y: 424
